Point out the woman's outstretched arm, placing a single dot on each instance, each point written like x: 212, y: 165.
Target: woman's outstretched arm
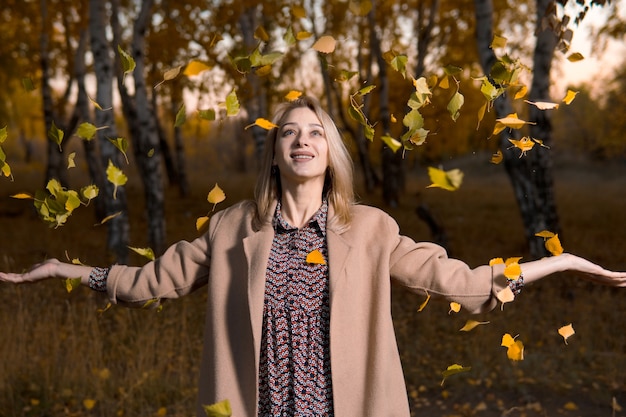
x: 51, y: 268
x: 535, y: 270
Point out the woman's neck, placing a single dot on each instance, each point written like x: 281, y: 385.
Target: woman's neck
x: 297, y: 208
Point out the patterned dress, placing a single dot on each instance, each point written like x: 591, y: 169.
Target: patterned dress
x: 294, y: 374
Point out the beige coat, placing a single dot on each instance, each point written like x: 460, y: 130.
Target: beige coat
x: 363, y: 261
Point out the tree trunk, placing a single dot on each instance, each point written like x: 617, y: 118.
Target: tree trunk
x: 393, y: 162
x: 530, y: 198
x: 55, y: 167
x: 118, y: 227
x: 179, y: 145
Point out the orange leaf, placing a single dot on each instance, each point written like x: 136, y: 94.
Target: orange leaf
x: 325, y: 44
x: 471, y: 324
x: 566, y: 331
x: 315, y: 257
x: 423, y: 305
x: 293, y: 95
x: 454, y: 307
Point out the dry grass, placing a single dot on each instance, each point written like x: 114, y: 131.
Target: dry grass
x: 57, y: 351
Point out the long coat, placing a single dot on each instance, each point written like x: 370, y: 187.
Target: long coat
x: 363, y: 261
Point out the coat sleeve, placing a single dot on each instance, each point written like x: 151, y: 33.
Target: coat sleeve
x: 426, y: 268
x: 183, y: 268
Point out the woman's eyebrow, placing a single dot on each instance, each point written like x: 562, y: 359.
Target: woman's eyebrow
x: 294, y: 123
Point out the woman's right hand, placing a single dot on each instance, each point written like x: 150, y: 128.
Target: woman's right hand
x: 44, y: 270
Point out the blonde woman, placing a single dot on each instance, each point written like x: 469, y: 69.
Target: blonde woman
x: 298, y: 316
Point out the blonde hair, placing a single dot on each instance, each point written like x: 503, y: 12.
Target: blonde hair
x: 338, y: 187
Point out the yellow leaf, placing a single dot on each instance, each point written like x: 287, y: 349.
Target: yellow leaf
x: 22, y: 196
x: 444, y: 83
x: 107, y: 218
x: 545, y: 234
x: 471, y: 325
x: 201, y: 222
x: 569, y: 97
x: 615, y: 405
x: 298, y: 12
x: 505, y: 295
x: 169, y: 75
x: 303, y: 34
x: 511, y: 121
x: 293, y: 95
x: 512, y: 270
x: 454, y: 307
x: 89, y: 404
x: 195, y: 68
x: 70, y: 160
x: 216, y: 195
x: 261, y: 34
x: 524, y: 144
x: 521, y: 92
x: 423, y: 305
x: 454, y: 369
x: 543, y: 105
x: 161, y: 412
x: 497, y: 157
x: 498, y: 42
x: 71, y: 284
x: 553, y: 245
x: 221, y: 409
x: 315, y: 257
x: 448, y: 180
x: 496, y: 261
x: 325, y: 44
x: 570, y: 406
x: 262, y: 123
x: 566, y: 332
x: 515, y: 352
x: 575, y: 57
x: 116, y: 177
x: 145, y: 252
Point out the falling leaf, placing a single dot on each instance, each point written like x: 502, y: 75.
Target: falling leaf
x: 497, y: 157
x: 293, y: 95
x: 169, y: 75
x: 553, y: 245
x: 71, y: 284
x: 298, y: 12
x: 471, y: 325
x: 87, y: 131
x: 216, y: 195
x: 145, y: 252
x: 545, y: 234
x: 325, y: 44
x: 195, y: 68
x: 220, y: 409
x: 261, y: 34
x: 107, y: 307
x: 569, y: 97
x: 89, y: 192
x: 115, y: 177
x: 128, y: 63
x: 515, y: 348
x: 566, y: 332
x: 505, y: 295
x: 454, y: 307
x: 70, y: 160
x: 107, y: 218
x: 27, y: 83
x: 543, y: 105
x: 208, y: 114
x: 89, y: 404
x: 122, y: 145
x: 97, y: 105
x: 455, y: 104
x: 498, y: 42
x: 303, y: 34
x: 181, y: 116
x: 22, y: 196
x: 512, y: 270
x: 315, y: 257
x: 448, y: 180
x: 570, y: 406
x: 453, y: 370
x: 520, y: 91
x: 232, y: 104
x: 262, y: 123
x: 616, y: 407
x: 360, y: 7
x: 55, y: 134
x: 423, y: 305
x: 161, y: 412
x: 202, y: 222
x: 392, y: 143
x: 575, y: 57
x: 511, y: 121
x: 525, y: 144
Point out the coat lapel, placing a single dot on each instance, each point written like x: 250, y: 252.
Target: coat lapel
x: 338, y: 251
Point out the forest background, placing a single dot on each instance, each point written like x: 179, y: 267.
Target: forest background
x: 173, y: 95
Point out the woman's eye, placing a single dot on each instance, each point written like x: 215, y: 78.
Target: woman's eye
x: 288, y: 132
x: 317, y: 133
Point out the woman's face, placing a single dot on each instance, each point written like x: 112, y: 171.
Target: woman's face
x: 301, y: 149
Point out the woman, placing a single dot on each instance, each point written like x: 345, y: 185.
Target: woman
x: 299, y: 312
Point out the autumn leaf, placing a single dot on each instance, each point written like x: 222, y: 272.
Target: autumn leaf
x: 497, y: 157
x: 145, y: 252
x: 97, y: 105
x: 89, y: 192
x: 110, y: 217
x: 569, y: 97
x: 27, y: 83
x: 566, y: 332
x: 570, y: 406
x: 543, y: 105
x: 505, y: 295
x: 511, y: 121
x: 423, y: 305
x: 552, y: 242
x: 262, y: 123
x: 216, y: 195
x: 55, y: 135
x: 115, y: 177
x: 515, y: 348
x: 181, y: 116
x: 392, y: 143
x: 360, y: 7
x: 325, y: 44
x: 453, y: 370
x: 498, y: 42
x: 448, y: 180
x: 293, y: 95
x: 455, y: 104
x: 454, y: 307
x: 87, y: 131
x: 208, y: 114
x: 70, y: 160
x: 512, y: 270
x: 201, y: 223
x: 71, y: 284
x: 128, y: 63
x: 89, y: 404
x: 303, y: 34
x: 169, y: 75
x: 298, y: 12
x: 122, y: 145
x: 525, y: 144
x: 471, y: 325
x: 261, y: 34
x: 232, y: 104
x: 575, y: 57
x: 315, y: 257
x: 22, y: 196
x: 195, y: 67
x: 220, y: 409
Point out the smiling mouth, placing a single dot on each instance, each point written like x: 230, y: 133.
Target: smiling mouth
x: 302, y: 157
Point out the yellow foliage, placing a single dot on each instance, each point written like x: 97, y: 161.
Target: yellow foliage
x: 315, y: 257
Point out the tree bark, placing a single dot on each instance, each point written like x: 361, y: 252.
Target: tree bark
x: 118, y: 227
